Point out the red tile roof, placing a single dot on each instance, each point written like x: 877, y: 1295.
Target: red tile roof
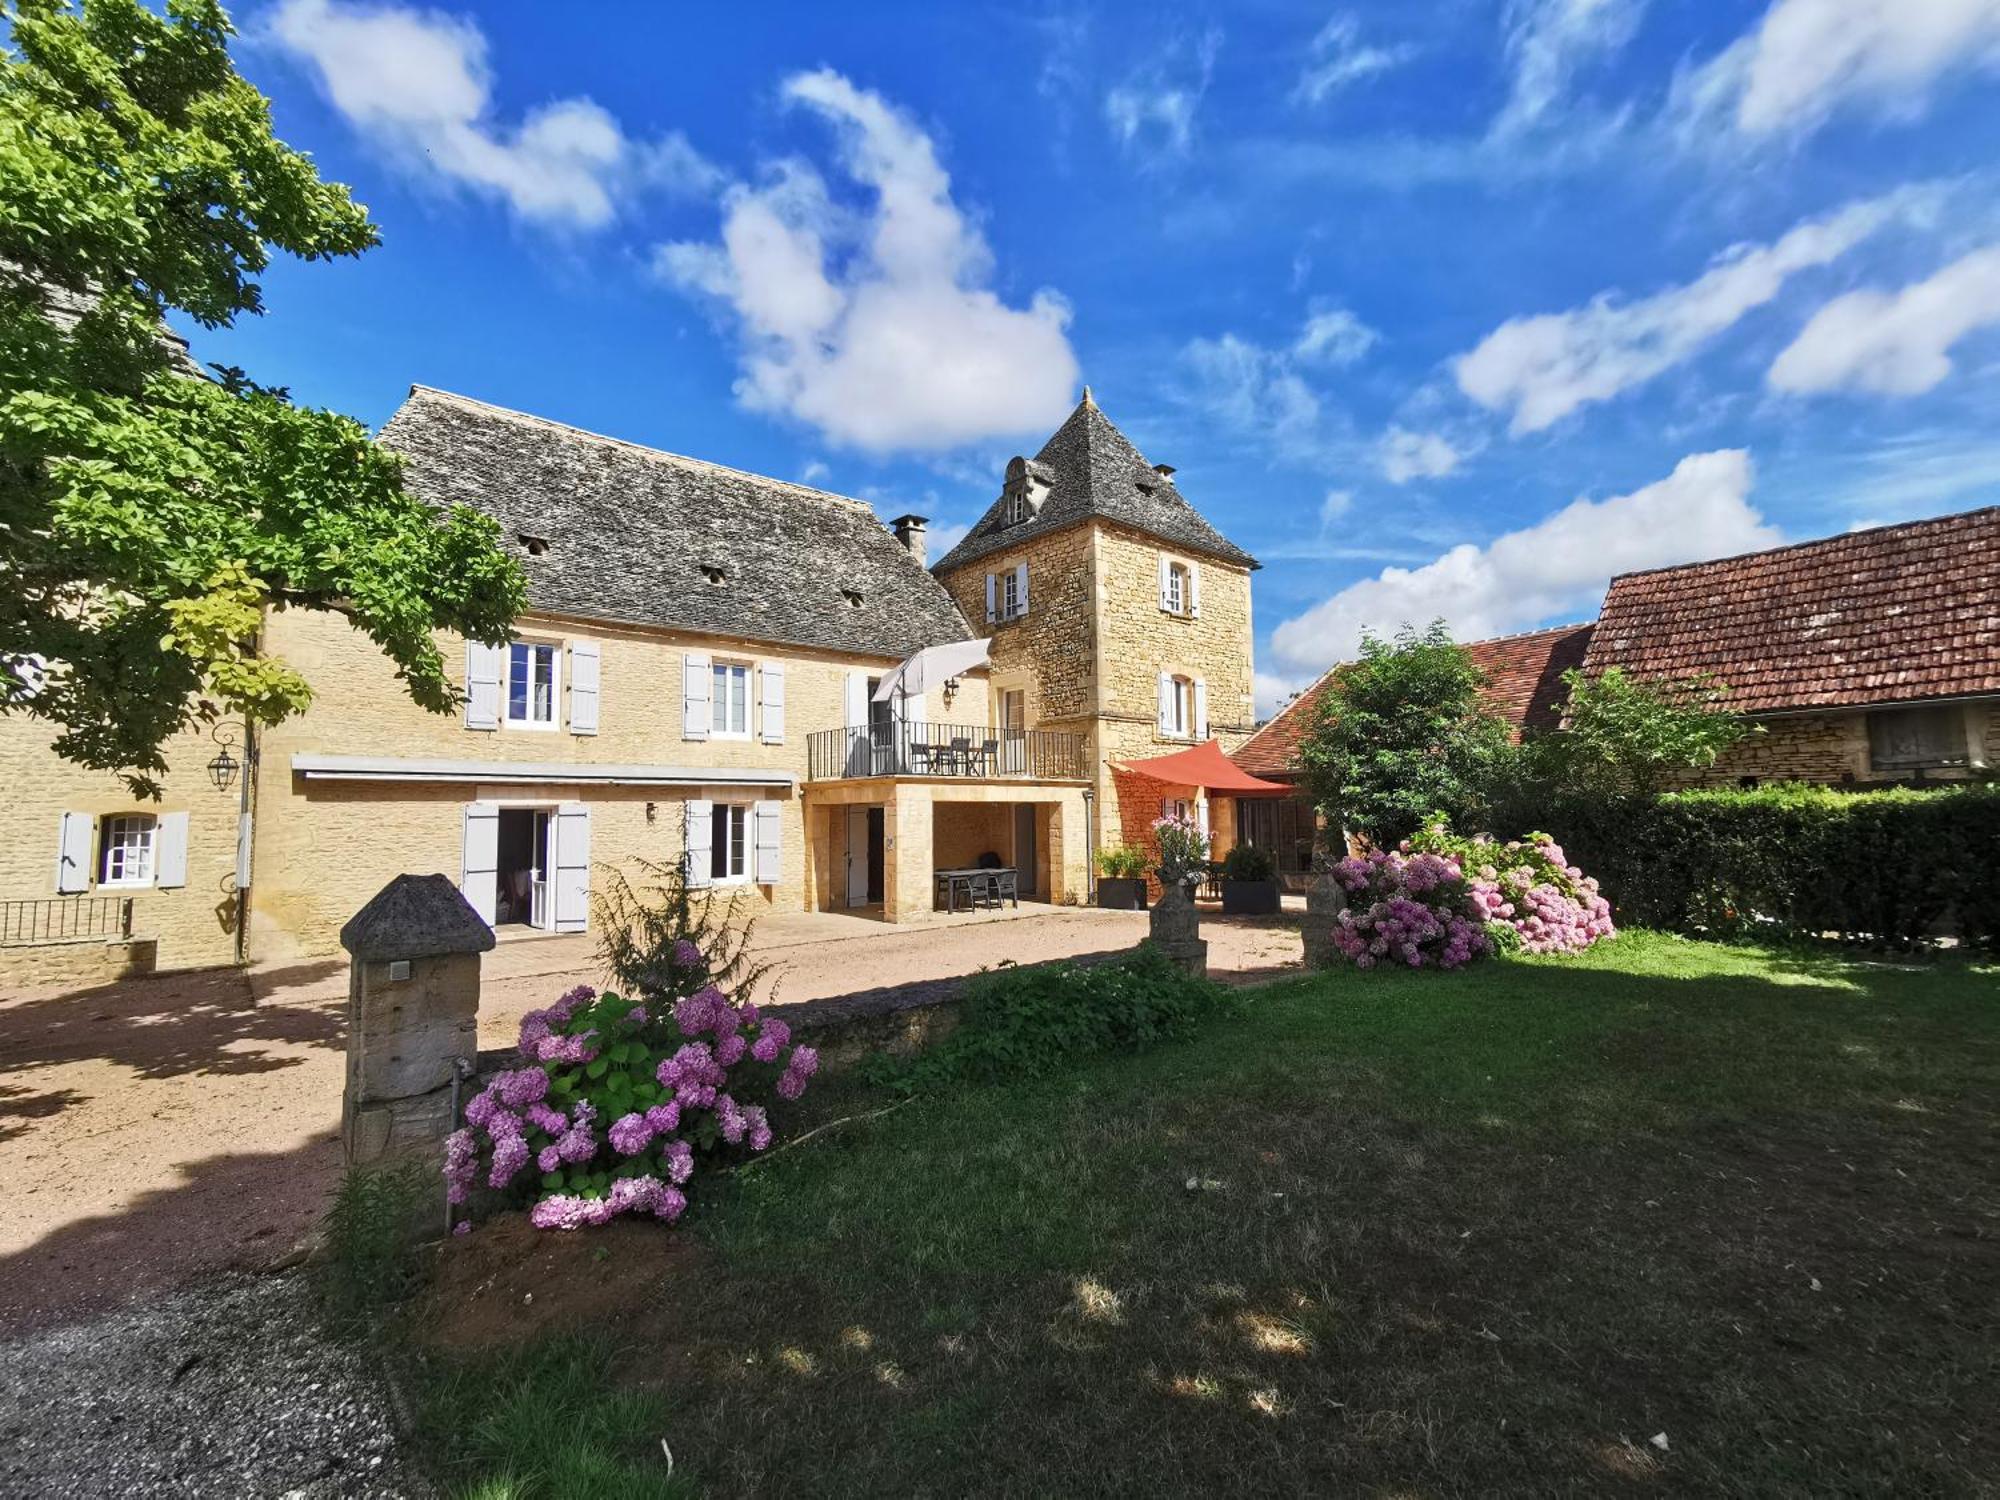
x: 1889, y: 615
x: 1524, y: 685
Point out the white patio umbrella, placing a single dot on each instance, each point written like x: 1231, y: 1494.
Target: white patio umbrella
x: 925, y: 669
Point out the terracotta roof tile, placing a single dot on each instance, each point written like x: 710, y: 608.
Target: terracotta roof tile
x: 1893, y: 614
x: 1525, y: 686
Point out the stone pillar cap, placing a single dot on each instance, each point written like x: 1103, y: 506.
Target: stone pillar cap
x: 415, y: 916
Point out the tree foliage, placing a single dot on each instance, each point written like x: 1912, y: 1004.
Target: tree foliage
x: 149, y: 515
x: 1626, y: 735
x: 1401, y: 734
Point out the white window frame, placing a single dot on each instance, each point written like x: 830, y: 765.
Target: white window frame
x: 1012, y: 605
x: 1180, y: 584
x: 1181, y: 697
x: 109, y: 828
x: 722, y: 672
x: 555, y: 655
x: 732, y: 822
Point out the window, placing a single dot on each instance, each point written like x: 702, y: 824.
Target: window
x: 1914, y: 739
x: 531, y: 684
x: 1017, y: 507
x: 125, y: 850
x: 1175, y: 594
x: 1177, y: 718
x: 1011, y: 602
x: 729, y: 828
x: 729, y: 701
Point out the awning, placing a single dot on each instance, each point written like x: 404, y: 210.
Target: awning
x: 517, y: 773
x: 927, y: 668
x: 1204, y: 766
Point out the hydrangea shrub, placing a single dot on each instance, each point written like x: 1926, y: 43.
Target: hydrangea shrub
x: 615, y: 1099
x: 1411, y: 909
x: 1529, y: 885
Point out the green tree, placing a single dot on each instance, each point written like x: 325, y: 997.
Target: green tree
x: 149, y: 515
x: 1625, y: 735
x: 1400, y: 734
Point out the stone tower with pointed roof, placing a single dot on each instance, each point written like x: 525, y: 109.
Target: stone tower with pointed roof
x: 1115, y: 611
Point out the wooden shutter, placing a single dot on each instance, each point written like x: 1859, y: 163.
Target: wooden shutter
x: 992, y: 597
x: 1166, y: 703
x: 571, y: 877
x: 695, y: 688
x: 76, y: 835
x: 765, y: 836
x: 1166, y: 582
x: 479, y: 880
x: 583, y: 693
x: 699, y: 830
x: 170, y: 850
x: 1021, y: 587
x: 482, y: 686
x: 1200, y: 725
x: 1194, y: 589
x: 773, y: 704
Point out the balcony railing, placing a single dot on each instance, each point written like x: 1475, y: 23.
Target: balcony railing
x: 944, y: 750
x: 64, y: 919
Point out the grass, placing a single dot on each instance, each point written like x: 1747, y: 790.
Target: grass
x: 1391, y: 1233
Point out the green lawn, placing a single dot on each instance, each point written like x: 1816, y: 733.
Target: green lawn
x: 1392, y: 1233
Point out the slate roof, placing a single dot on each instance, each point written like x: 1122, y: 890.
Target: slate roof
x: 1890, y: 615
x: 630, y: 531
x: 1092, y: 469
x: 1524, y: 685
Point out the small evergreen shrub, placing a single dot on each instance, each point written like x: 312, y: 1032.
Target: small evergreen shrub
x: 1249, y: 862
x: 1122, y: 862
x: 1026, y: 1021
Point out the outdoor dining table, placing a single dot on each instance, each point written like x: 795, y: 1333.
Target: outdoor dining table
x: 980, y: 885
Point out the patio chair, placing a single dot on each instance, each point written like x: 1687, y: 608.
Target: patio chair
x: 960, y: 755
x: 989, y: 758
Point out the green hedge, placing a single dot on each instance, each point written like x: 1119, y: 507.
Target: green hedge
x: 1882, y: 866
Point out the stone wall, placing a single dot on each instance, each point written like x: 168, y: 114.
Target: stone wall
x: 193, y: 926
x: 1833, y: 748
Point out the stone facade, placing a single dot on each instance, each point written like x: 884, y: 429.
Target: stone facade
x: 1833, y: 748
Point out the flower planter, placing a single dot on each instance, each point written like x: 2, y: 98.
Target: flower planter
x: 1250, y: 898
x: 1115, y: 894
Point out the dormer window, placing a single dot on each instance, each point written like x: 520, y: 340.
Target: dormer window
x: 713, y: 573
x: 1017, y: 507
x: 534, y: 546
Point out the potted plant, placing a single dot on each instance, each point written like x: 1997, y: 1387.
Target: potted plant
x: 1121, y: 878
x: 1249, y: 882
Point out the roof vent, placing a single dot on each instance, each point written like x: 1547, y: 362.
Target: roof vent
x: 1165, y: 471
x: 536, y: 545
x: 712, y: 572
x: 852, y: 596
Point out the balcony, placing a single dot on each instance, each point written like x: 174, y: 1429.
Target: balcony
x: 945, y: 751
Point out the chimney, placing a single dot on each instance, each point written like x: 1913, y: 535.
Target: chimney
x: 910, y: 532
x: 1165, y: 471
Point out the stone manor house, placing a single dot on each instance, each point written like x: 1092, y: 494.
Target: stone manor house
x: 699, y: 678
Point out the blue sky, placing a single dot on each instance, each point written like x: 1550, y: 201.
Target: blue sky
x: 1448, y: 308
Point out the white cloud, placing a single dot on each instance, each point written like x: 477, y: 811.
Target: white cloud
x: 1893, y: 344
x: 1274, y: 690
x: 1559, y: 566
x: 943, y: 538
x: 1251, y: 389
x: 1153, y: 111
x: 1406, y: 455
x: 1338, y: 57
x: 1542, y: 368
x: 418, y: 85
x: 1810, y: 59
x: 1548, y: 41
x: 1335, y: 506
x: 876, y: 326
x: 1333, y: 336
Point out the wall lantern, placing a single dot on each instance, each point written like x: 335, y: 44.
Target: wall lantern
x: 223, y: 766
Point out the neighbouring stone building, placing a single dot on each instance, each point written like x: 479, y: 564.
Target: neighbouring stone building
x: 699, y: 679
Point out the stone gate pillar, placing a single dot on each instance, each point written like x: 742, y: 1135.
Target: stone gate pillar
x: 412, y: 1017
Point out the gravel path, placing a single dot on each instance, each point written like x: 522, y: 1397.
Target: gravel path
x: 225, y: 1389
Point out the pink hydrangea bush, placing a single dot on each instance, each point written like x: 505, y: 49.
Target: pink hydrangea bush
x: 613, y: 1100
x: 1529, y: 886
x: 1409, y: 909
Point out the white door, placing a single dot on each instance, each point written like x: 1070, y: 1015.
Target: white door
x: 857, y: 856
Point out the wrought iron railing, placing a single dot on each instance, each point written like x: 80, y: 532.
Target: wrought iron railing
x: 944, y: 750
x: 64, y: 919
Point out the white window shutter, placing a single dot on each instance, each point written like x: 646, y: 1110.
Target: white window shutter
x: 1021, y: 585
x: 700, y: 837
x: 765, y: 834
x: 1166, y: 582
x: 583, y: 694
x: 571, y: 876
x: 857, y: 700
x: 773, y: 707
x: 479, y: 879
x: 992, y: 597
x: 246, y: 833
x: 695, y: 688
x: 1200, y: 725
x: 78, y: 831
x: 482, y: 685
x: 1194, y: 589
x: 170, y: 851
x: 1166, y: 703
